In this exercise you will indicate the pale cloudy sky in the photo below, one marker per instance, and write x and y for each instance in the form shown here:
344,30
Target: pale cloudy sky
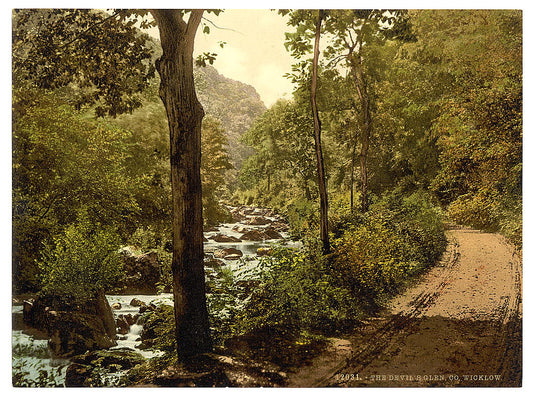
254,52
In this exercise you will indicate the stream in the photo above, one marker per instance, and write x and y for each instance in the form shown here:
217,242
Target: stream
32,361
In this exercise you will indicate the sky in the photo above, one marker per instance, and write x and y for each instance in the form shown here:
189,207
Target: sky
254,51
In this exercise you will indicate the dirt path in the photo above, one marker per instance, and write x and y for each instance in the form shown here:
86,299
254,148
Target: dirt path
460,326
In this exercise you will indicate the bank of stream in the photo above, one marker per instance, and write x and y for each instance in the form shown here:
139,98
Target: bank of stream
233,245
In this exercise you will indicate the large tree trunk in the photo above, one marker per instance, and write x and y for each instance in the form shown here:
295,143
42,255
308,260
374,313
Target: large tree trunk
360,84
324,230
185,114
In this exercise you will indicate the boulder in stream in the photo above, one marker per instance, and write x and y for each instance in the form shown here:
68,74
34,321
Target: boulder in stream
73,327
224,238
239,229
254,235
257,220
136,302
279,226
227,252
272,234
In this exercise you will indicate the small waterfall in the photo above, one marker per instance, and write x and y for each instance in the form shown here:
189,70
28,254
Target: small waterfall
32,362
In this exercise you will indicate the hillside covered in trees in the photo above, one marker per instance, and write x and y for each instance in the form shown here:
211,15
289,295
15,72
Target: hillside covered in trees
245,233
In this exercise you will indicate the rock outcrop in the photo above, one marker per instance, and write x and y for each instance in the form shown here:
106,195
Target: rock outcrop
142,273
86,369
73,327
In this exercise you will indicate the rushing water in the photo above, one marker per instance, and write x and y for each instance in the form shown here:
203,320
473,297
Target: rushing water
33,364
32,361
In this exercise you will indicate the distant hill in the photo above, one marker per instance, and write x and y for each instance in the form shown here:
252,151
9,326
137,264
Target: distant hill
234,103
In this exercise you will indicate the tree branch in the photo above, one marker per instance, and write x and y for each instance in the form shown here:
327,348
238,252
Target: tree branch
194,21
90,28
220,27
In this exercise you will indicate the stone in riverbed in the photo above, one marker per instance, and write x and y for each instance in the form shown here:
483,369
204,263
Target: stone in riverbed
214,263
73,327
225,252
146,308
280,226
272,234
136,302
254,235
123,327
261,235
224,238
239,229
257,220
131,319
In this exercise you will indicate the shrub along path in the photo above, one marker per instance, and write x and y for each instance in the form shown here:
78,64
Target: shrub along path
459,326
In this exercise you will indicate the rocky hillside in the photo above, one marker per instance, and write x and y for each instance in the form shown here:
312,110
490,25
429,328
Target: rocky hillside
234,103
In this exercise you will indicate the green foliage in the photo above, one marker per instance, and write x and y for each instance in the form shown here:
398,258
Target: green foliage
282,138
101,58
225,300
378,253
63,163
479,126
81,261
215,164
297,292
160,327
374,256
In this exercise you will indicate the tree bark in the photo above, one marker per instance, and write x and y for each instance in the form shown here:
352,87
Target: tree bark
185,114
324,230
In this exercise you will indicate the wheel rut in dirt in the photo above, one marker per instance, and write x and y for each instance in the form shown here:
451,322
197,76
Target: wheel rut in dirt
459,326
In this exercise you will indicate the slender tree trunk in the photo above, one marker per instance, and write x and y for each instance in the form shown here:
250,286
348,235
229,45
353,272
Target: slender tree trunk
360,84
185,114
352,180
307,192
324,230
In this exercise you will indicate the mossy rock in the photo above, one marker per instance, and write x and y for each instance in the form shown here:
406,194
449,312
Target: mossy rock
125,358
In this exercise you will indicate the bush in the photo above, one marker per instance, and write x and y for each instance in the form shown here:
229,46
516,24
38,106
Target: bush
160,328
81,261
371,260
298,292
490,211
374,256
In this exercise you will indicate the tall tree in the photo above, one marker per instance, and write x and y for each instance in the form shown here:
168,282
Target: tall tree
309,22
184,114
352,30
322,190
282,146
101,58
